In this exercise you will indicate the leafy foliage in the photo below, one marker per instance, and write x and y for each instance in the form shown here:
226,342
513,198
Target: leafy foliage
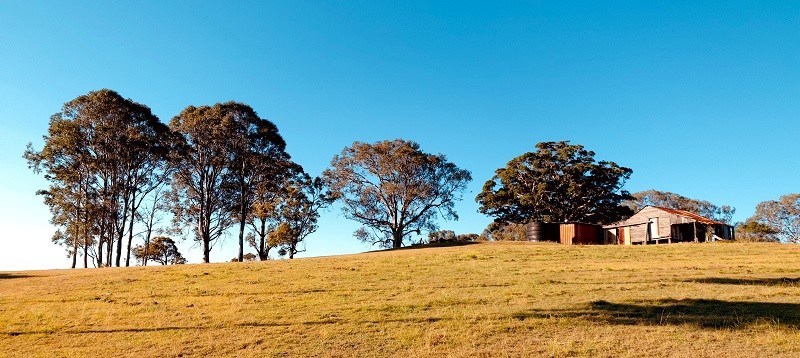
781,216
161,249
558,182
229,152
101,155
754,231
394,189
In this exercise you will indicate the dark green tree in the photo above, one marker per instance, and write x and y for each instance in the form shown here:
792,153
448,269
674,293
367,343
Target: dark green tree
558,182
394,189
161,249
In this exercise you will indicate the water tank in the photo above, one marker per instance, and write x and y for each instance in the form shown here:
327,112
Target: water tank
536,231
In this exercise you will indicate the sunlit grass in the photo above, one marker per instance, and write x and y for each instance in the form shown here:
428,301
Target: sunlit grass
495,299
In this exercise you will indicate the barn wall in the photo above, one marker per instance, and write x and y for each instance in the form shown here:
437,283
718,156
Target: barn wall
581,234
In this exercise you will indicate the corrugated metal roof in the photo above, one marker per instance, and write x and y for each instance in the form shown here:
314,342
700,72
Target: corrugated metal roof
689,215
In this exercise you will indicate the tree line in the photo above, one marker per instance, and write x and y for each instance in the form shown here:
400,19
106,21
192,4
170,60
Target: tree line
115,171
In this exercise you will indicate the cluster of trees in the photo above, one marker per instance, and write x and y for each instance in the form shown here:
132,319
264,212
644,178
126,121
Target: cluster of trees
114,169
774,220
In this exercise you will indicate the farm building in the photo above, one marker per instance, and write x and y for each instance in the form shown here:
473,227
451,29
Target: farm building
656,225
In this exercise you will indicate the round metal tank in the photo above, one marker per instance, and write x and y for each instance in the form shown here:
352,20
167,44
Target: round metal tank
535,231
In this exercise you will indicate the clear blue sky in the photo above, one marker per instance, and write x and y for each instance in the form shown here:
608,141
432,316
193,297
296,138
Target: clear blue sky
698,99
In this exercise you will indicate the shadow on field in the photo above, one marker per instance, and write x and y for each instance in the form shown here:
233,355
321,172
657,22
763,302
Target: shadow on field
701,313
5,276
780,281
437,244
330,321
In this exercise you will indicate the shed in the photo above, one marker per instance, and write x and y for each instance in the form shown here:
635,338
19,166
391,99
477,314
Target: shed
580,234
569,233
655,225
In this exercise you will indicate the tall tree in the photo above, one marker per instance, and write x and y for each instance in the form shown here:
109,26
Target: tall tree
99,147
228,151
558,182
258,160
200,197
394,189
666,199
782,216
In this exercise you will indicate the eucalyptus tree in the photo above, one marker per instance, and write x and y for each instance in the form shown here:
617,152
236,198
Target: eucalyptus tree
65,164
781,217
558,182
269,191
102,147
298,211
259,161
394,189
161,249
228,150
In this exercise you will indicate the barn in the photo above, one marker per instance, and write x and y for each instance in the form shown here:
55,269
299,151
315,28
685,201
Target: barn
657,225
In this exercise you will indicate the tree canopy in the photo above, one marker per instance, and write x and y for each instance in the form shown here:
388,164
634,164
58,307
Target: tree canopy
394,189
161,249
102,154
781,216
559,182
228,151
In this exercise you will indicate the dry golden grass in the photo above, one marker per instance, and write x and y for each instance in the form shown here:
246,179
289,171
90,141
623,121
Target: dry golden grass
493,299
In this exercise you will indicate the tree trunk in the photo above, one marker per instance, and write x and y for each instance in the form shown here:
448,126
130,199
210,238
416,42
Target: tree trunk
119,249
206,250
147,244
109,249
130,233
242,223
85,253
206,240
74,250
397,239
262,240
100,249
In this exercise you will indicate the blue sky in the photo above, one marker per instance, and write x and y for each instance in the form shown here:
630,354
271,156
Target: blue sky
697,98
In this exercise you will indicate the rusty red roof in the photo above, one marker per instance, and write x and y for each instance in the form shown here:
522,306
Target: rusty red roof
689,215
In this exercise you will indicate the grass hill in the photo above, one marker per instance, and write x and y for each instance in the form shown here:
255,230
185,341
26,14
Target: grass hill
491,299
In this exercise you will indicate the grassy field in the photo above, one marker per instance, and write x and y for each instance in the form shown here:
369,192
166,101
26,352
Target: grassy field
492,299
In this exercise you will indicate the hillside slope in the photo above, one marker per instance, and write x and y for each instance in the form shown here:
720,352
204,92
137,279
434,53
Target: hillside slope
493,299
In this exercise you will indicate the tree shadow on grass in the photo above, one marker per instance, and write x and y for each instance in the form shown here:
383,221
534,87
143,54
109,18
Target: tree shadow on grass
5,275
712,314
437,244
780,281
